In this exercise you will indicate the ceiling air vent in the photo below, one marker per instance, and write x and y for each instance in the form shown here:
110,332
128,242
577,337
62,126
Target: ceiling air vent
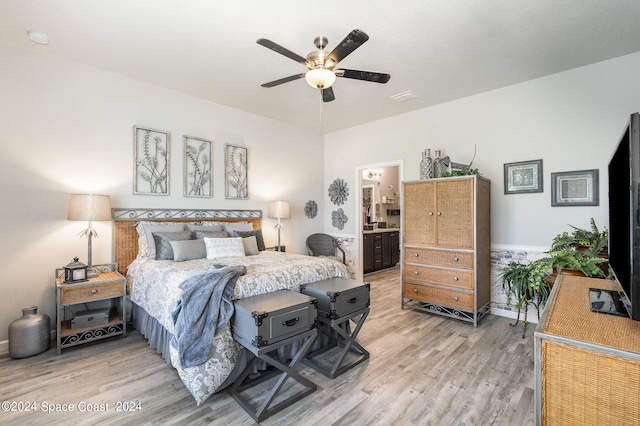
404,96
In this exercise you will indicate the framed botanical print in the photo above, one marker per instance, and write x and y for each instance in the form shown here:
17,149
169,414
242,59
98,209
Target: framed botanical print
235,172
150,161
578,188
198,167
523,177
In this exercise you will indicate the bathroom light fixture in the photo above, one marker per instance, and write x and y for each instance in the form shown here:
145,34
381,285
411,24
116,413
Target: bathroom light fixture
320,78
89,207
372,174
39,38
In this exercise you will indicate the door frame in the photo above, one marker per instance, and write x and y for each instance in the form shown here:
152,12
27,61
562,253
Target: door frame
358,206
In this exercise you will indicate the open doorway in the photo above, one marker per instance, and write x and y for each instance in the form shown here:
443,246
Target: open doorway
378,208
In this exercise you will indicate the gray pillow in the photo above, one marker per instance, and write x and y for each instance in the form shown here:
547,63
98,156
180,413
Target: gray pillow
211,234
257,233
250,246
236,226
162,240
188,250
213,227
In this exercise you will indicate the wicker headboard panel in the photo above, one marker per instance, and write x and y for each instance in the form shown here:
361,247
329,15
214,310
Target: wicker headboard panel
125,236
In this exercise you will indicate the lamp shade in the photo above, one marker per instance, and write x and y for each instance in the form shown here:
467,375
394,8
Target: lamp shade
279,210
88,207
320,78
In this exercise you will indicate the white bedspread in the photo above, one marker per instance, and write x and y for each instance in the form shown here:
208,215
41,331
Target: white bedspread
154,287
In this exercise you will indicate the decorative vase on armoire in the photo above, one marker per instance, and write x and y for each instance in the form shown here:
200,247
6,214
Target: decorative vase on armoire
426,165
29,334
438,167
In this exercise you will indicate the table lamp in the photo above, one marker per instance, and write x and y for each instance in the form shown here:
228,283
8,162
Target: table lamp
89,207
279,210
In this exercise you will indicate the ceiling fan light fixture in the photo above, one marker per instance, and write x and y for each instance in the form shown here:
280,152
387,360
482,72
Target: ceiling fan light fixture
320,78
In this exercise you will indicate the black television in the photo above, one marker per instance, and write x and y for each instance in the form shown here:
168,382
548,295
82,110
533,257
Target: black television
624,214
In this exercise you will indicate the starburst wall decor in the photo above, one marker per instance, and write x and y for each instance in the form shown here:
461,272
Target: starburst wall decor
338,192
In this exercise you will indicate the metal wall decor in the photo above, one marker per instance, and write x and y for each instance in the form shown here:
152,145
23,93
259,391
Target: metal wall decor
236,184
150,161
338,192
311,209
523,177
198,164
577,188
338,219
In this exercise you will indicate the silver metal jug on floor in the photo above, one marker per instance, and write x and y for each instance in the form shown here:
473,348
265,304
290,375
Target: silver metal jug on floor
30,334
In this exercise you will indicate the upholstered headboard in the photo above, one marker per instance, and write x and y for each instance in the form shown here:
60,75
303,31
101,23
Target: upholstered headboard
125,236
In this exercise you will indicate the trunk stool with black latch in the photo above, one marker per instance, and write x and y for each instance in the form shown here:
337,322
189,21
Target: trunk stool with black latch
339,300
262,324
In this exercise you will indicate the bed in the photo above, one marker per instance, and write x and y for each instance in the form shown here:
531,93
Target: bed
153,285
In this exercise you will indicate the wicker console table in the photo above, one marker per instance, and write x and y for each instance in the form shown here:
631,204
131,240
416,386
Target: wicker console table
587,365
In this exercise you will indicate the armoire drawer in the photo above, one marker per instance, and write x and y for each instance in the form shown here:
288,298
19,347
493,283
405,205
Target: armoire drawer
448,277
448,258
441,296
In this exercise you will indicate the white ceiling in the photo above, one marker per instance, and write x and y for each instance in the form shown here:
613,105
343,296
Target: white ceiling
440,49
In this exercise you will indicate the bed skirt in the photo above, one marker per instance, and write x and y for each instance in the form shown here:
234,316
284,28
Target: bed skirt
158,336
159,339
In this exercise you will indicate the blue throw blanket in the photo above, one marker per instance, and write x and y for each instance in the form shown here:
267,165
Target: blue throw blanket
204,307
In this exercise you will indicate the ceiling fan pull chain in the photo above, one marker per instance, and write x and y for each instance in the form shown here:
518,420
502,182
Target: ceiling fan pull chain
321,108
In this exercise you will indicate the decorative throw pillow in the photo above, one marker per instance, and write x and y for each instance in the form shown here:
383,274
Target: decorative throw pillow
237,226
257,233
162,240
145,229
188,250
218,248
250,246
210,234
206,226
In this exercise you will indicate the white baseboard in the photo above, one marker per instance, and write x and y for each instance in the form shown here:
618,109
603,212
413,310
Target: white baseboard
4,344
532,316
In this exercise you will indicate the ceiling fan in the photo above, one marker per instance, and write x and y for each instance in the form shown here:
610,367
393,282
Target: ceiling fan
321,65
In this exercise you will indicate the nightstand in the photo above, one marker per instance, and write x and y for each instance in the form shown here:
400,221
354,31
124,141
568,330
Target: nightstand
108,285
275,248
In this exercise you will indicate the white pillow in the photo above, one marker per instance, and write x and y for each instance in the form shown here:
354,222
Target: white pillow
250,246
237,226
218,248
146,243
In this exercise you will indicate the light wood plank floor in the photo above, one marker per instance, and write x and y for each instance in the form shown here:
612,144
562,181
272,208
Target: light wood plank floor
423,370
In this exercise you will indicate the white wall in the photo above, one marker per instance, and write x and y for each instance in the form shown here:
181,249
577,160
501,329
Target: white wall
571,120
67,128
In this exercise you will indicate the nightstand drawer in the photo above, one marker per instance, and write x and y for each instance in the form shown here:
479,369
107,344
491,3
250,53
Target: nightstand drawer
82,293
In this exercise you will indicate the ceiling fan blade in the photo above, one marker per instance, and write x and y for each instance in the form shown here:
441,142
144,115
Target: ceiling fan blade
281,50
376,77
283,80
351,42
327,95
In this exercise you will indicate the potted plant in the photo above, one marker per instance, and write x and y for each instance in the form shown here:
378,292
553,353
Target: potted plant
581,252
524,285
574,262
592,242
